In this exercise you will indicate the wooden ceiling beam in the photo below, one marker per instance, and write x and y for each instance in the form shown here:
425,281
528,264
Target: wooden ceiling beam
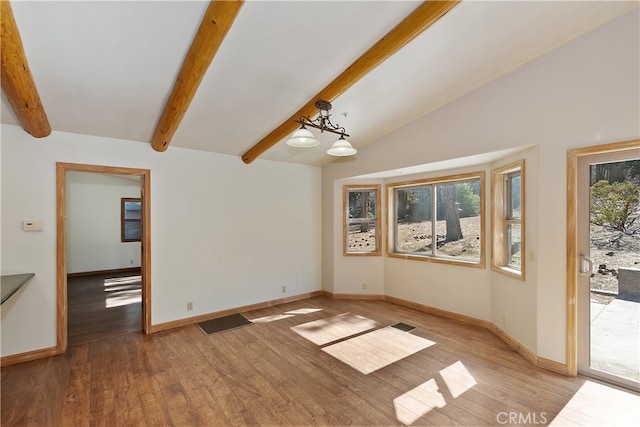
414,24
18,85
215,24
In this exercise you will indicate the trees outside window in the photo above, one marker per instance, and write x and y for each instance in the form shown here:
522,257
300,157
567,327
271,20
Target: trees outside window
615,194
361,205
438,219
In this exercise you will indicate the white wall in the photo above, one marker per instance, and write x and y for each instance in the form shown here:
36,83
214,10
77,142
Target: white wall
583,93
93,222
223,234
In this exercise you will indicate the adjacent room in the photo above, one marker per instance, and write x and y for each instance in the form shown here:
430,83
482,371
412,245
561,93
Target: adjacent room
320,213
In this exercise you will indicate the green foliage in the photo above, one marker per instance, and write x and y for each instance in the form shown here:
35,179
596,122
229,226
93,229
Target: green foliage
628,170
414,204
469,202
359,200
515,190
615,205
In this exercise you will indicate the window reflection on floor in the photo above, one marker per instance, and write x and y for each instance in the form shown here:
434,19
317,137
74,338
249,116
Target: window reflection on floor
286,315
457,378
418,402
272,318
334,328
364,345
599,404
120,291
374,350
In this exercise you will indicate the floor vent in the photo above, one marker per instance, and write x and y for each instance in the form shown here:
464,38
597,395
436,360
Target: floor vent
222,324
404,327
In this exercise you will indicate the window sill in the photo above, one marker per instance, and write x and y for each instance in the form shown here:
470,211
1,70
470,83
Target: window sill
441,260
378,253
507,271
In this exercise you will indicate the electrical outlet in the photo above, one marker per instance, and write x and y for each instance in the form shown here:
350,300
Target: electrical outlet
284,288
189,306
364,285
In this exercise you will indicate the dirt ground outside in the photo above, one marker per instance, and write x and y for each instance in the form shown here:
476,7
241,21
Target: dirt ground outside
416,237
610,250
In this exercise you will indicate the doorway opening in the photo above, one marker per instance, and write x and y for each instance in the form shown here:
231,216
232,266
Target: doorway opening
603,268
114,290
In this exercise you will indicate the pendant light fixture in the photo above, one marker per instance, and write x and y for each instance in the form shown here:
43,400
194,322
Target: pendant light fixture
304,138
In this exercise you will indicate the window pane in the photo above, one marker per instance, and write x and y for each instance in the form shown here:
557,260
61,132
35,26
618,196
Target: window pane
362,204
132,210
413,220
132,230
514,196
508,214
458,224
513,251
362,221
130,219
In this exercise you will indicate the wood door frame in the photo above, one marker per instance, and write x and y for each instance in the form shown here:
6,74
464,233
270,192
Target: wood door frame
61,241
573,255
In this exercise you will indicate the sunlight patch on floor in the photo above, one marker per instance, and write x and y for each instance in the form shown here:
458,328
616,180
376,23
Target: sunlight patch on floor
122,280
599,404
272,318
123,298
286,315
369,352
457,378
121,291
334,328
304,311
418,402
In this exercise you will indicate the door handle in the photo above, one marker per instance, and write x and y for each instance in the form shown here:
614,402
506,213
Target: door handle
586,265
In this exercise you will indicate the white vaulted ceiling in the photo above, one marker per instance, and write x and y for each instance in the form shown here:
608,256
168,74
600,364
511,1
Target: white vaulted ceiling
107,68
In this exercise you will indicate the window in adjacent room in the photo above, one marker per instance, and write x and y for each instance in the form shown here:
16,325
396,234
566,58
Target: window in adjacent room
438,219
361,229
130,220
508,247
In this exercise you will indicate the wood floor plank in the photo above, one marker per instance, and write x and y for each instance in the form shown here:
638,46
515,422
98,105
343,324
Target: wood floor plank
256,394
102,407
267,374
265,379
319,399
103,305
308,358
78,396
126,395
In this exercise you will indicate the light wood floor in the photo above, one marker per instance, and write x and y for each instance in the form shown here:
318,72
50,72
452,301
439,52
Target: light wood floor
269,374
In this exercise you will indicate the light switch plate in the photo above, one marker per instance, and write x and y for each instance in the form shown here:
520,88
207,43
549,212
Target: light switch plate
32,225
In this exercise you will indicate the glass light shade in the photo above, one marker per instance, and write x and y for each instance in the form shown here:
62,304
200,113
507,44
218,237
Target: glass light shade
342,147
302,138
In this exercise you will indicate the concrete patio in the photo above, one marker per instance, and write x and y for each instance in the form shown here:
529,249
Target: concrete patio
615,338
